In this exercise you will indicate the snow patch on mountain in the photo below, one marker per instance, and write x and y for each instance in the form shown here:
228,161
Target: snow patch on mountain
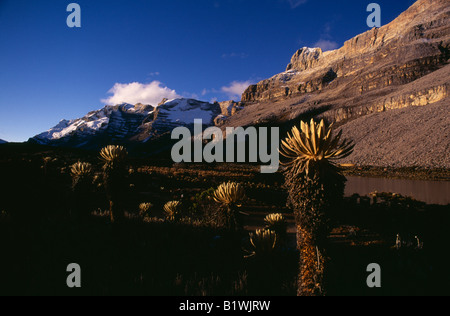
92,123
185,111
89,124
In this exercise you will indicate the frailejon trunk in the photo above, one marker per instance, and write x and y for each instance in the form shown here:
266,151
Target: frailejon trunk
115,212
310,277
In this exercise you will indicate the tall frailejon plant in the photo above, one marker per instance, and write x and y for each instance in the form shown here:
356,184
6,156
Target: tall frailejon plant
230,195
82,178
316,186
114,179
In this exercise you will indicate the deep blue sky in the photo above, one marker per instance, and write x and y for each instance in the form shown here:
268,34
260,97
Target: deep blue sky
197,48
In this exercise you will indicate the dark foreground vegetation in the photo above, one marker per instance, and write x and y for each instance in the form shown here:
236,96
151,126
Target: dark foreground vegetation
197,252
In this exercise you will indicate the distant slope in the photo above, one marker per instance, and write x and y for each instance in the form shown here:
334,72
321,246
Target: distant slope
3,141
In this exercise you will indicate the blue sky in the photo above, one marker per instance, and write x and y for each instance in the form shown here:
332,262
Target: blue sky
142,49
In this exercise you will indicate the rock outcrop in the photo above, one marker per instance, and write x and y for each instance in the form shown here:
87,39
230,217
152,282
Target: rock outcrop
228,109
305,59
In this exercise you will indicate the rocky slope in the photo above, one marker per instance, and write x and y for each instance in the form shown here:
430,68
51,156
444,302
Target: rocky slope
401,65
412,136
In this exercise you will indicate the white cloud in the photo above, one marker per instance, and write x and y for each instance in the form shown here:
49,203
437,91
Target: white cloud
135,92
326,40
236,88
326,45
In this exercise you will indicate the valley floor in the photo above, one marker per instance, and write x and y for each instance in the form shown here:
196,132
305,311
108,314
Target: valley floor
40,234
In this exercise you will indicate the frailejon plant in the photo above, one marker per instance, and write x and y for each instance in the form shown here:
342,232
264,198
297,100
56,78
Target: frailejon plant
80,170
114,179
277,223
263,243
114,156
144,209
82,178
274,221
173,210
230,195
46,162
316,186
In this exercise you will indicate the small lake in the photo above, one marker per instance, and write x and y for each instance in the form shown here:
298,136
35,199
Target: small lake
431,192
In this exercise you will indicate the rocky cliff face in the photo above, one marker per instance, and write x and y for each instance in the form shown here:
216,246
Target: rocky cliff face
382,74
304,59
412,46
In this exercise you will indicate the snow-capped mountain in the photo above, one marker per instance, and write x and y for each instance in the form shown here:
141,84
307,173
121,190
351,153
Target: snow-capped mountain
128,124
183,112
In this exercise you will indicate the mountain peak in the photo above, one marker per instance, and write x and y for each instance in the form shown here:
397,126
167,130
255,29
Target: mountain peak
305,58
187,110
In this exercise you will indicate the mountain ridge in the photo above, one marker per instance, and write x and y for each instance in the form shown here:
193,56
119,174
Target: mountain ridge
127,124
374,76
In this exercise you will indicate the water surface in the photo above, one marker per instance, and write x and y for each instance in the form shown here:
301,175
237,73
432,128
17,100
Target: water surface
431,192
